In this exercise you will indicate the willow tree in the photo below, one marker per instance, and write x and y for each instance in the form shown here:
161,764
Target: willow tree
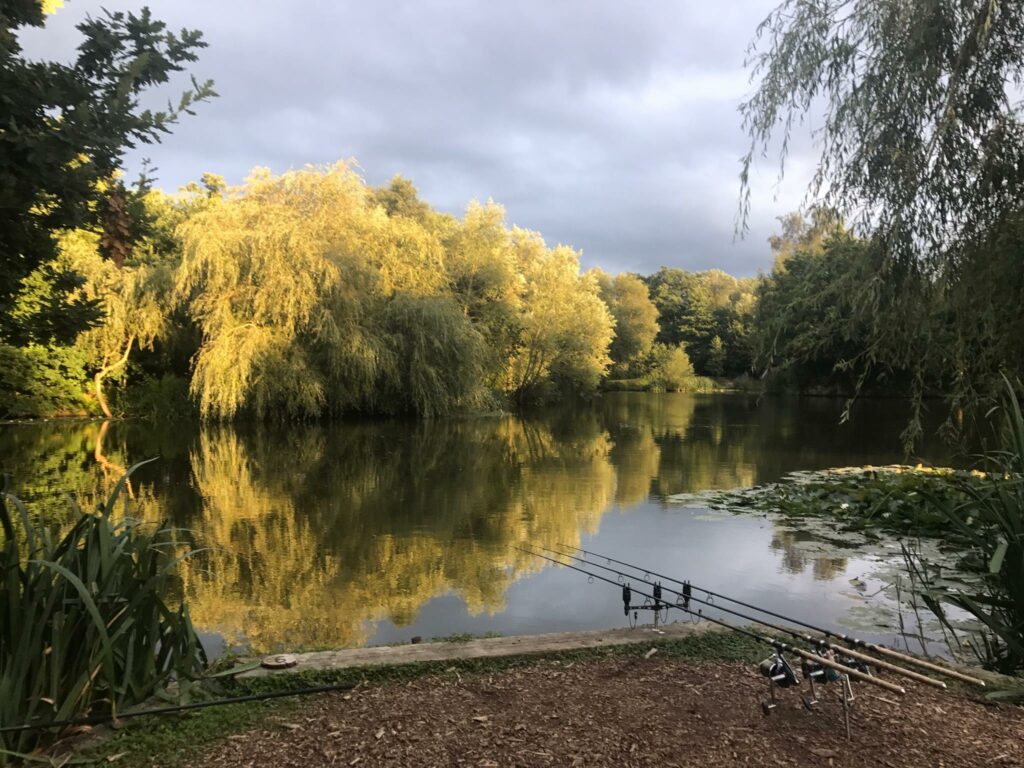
312,299
921,146
262,275
486,280
134,300
566,328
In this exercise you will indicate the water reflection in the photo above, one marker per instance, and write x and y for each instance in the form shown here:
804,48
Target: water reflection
334,535
795,559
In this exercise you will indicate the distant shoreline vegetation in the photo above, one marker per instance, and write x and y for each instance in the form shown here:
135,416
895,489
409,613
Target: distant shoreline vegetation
311,295
314,295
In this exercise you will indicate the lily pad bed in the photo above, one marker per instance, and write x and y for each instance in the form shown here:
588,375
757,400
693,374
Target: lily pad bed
869,501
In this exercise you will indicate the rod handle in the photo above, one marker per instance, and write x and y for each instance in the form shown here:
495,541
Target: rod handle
883,651
853,673
910,674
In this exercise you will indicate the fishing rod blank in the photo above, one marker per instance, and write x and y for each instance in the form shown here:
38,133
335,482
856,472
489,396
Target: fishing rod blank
776,644
879,649
819,642
110,718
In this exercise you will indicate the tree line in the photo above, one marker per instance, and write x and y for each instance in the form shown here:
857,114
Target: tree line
313,294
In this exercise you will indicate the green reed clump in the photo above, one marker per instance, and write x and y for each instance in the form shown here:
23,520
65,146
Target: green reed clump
990,516
85,626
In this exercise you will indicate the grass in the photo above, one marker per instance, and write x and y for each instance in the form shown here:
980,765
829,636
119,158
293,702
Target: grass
174,741
463,637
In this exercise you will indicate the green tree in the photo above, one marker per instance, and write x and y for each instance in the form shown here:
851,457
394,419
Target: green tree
670,368
64,129
807,331
716,357
685,312
400,198
135,299
636,319
486,280
805,234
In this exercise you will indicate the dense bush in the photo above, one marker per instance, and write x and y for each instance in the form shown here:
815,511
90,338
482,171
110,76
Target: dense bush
38,380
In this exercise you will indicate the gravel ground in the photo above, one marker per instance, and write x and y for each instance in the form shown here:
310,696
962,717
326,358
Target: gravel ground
625,712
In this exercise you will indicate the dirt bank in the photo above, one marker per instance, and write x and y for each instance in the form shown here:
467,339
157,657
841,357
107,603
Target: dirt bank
623,712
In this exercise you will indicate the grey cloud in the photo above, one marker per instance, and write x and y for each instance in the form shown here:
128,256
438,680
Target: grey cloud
608,126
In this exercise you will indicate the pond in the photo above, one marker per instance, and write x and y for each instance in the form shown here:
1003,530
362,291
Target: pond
372,532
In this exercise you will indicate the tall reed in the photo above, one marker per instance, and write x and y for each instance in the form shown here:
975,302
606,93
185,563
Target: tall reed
990,517
85,622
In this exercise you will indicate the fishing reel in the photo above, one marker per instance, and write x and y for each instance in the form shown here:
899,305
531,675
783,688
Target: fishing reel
858,664
780,674
817,673
821,674
779,671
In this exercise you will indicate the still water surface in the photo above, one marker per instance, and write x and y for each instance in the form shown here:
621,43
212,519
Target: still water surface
373,532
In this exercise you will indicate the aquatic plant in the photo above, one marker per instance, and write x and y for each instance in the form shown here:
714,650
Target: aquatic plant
990,516
85,623
868,500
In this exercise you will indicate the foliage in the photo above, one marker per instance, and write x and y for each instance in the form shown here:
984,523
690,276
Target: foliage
716,357
695,308
162,397
670,368
636,319
685,312
893,499
804,234
437,354
807,327
990,517
921,148
565,327
86,627
484,277
400,198
66,127
314,296
919,135
37,380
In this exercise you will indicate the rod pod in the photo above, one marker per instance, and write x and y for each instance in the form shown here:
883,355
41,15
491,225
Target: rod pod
851,658
879,649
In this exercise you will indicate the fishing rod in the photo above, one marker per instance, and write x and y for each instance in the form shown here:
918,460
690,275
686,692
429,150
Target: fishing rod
110,718
687,596
881,650
778,645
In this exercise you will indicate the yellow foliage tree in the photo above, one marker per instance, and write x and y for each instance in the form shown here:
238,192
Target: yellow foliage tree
566,328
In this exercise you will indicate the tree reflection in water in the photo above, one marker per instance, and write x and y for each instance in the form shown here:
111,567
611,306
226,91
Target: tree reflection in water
308,535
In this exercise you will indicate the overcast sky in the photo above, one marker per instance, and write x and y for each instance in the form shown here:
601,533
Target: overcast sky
608,126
